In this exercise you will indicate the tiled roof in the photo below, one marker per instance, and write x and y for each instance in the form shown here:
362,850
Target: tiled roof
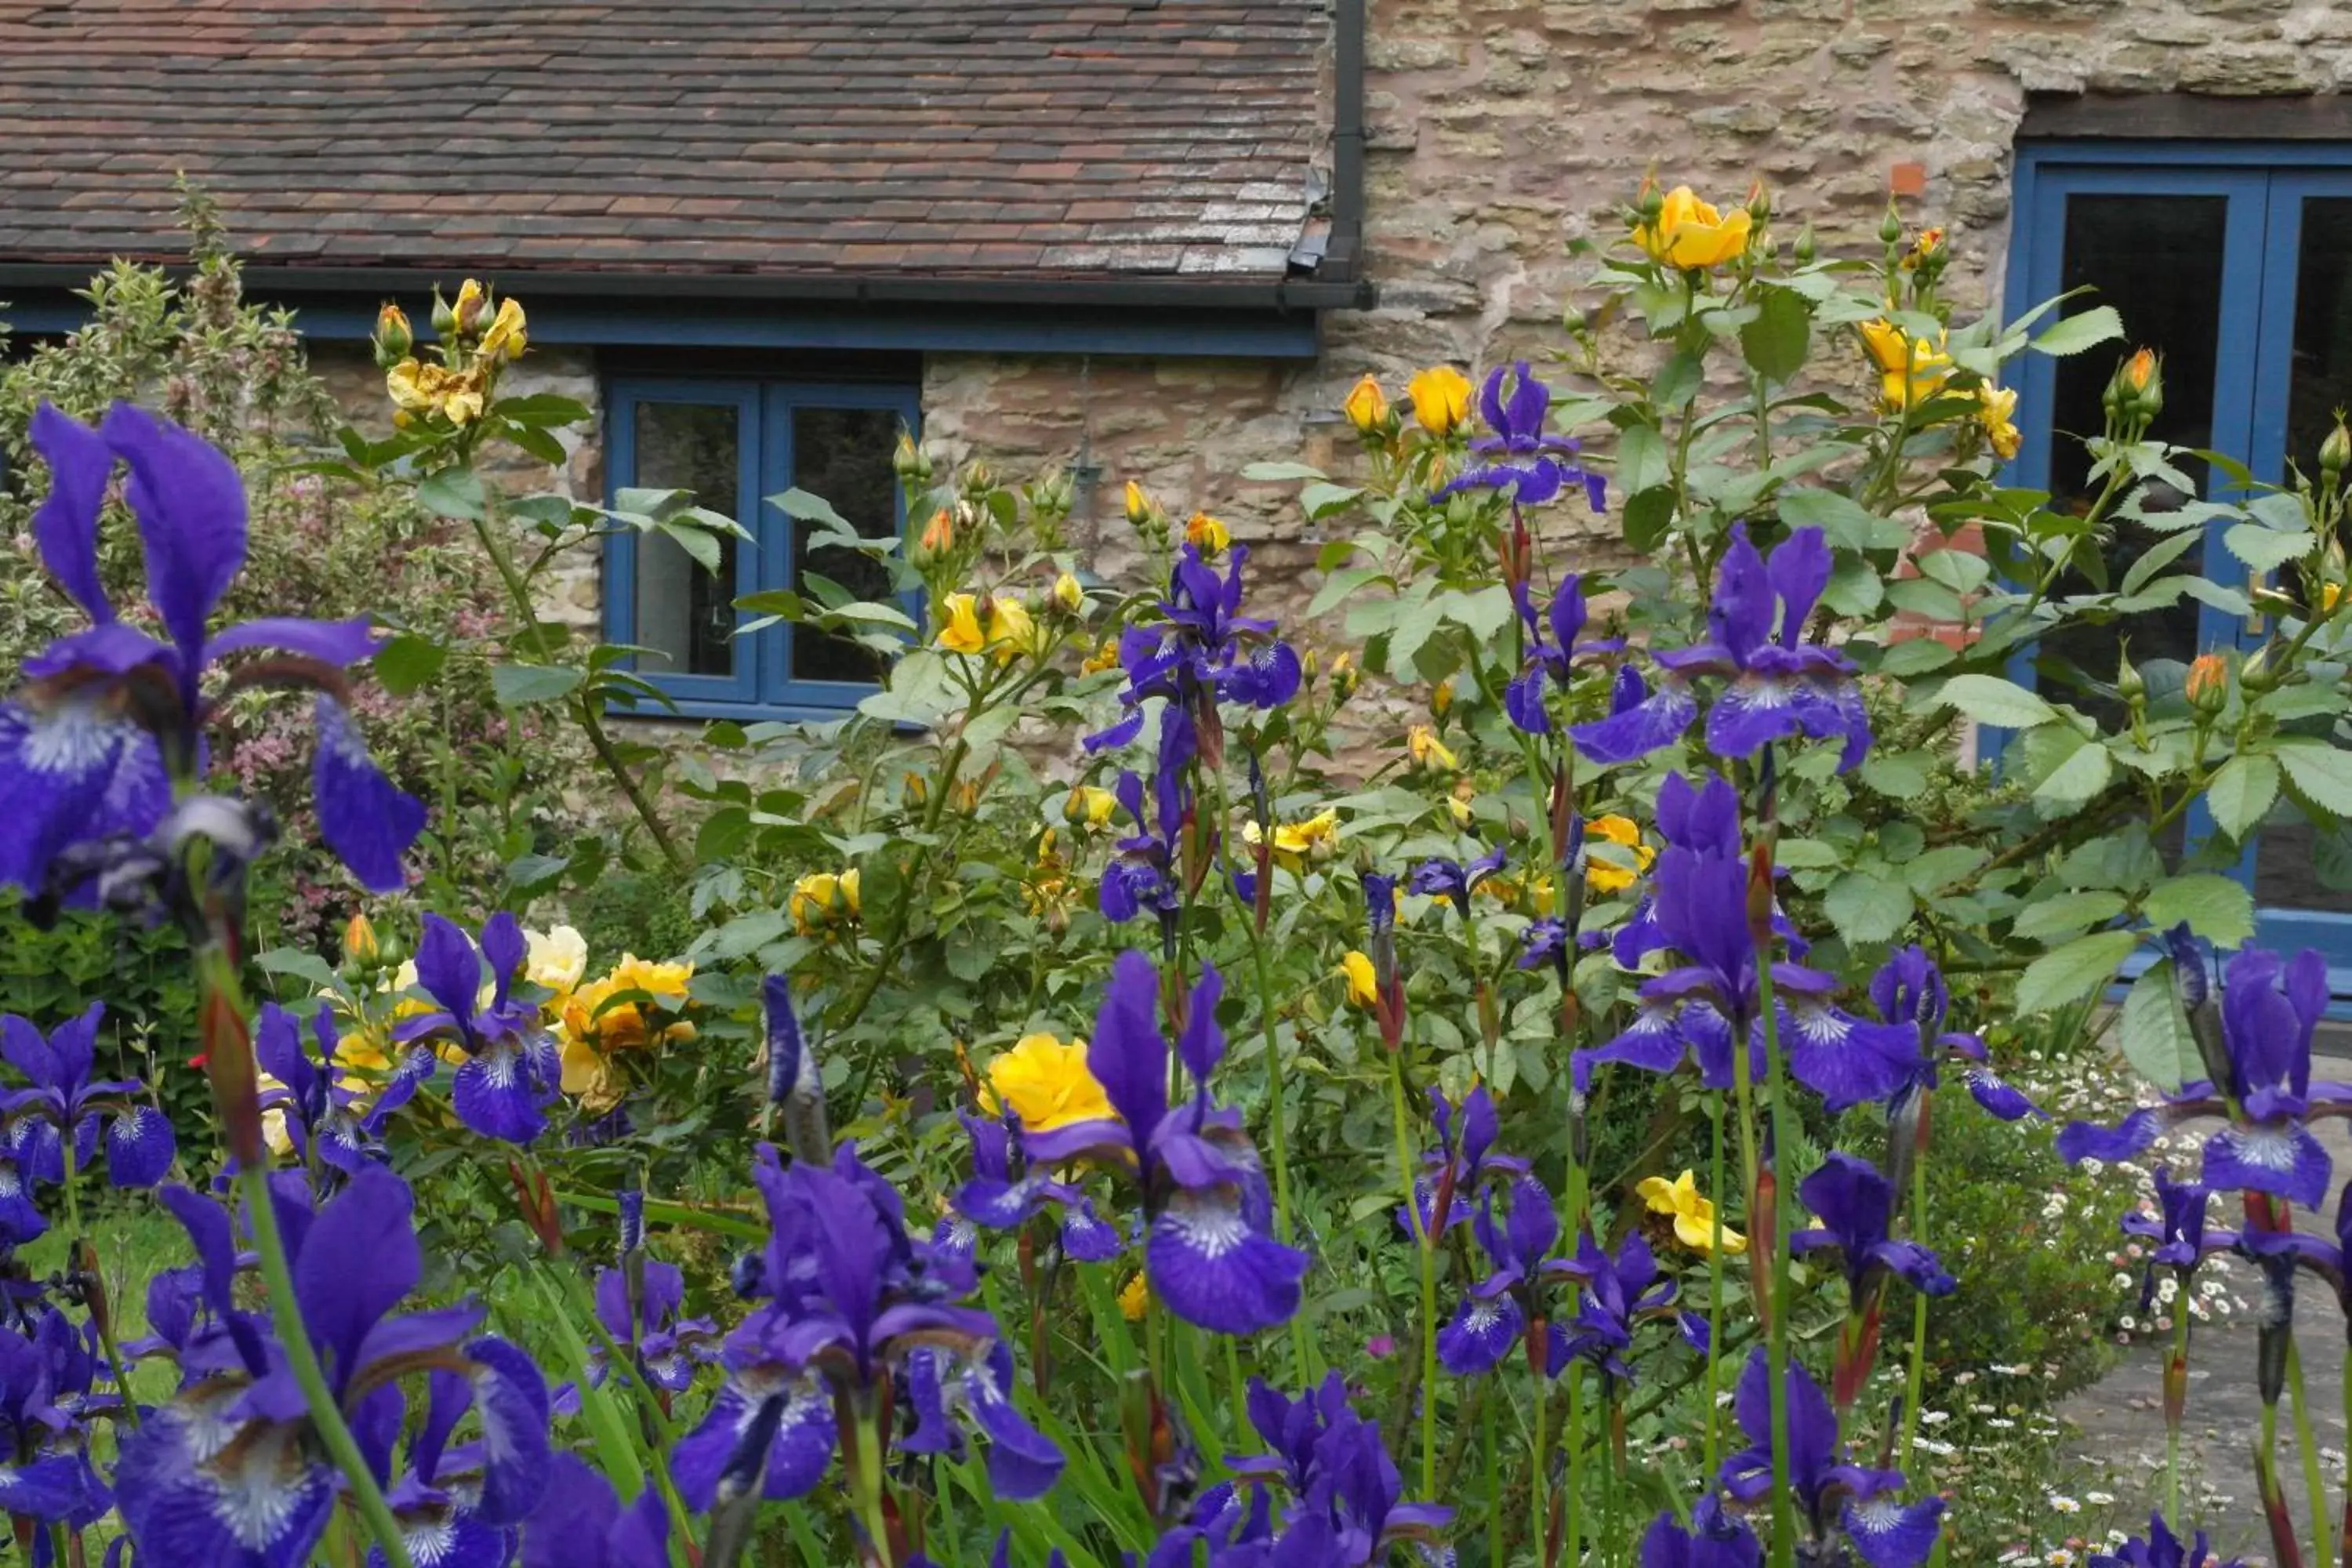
1021,139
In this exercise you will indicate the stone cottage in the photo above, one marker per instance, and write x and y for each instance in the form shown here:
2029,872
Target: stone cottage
1154,238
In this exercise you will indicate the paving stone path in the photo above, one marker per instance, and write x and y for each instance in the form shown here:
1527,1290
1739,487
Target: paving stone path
2120,1419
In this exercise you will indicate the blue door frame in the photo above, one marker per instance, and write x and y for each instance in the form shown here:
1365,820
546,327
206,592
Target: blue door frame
2265,184
762,685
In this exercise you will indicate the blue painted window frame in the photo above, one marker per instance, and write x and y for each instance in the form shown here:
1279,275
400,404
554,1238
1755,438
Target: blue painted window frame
2265,184
762,685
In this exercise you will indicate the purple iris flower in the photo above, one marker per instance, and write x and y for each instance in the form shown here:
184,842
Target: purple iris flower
1699,910
579,1523
1003,1195
1856,1207
847,1297
1143,873
466,1498
1886,1532
2183,1239
1022,1462
1206,1249
1618,1293
666,1348
313,1096
511,1070
1438,878
1204,651
1550,663
2161,1549
2269,1010
1715,1539
1520,459
1496,1312
228,1471
62,1099
1332,1463
45,1379
1909,989
1454,1173
110,716
1780,685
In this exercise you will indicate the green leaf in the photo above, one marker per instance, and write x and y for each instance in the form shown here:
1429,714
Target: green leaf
2240,793
2321,772
1940,868
409,661
1282,471
521,685
1647,516
2218,909
1342,584
1867,909
2157,1039
2156,559
2265,549
1845,521
2072,335
1321,499
1990,699
2068,914
302,966
1641,459
703,547
1919,656
544,408
2078,779
2069,973
798,503
1897,775
453,493
537,442
1776,341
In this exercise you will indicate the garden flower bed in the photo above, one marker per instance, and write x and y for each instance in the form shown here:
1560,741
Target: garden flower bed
1088,1108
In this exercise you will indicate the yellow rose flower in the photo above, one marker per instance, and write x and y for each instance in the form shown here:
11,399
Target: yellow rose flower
1087,804
1607,877
471,299
1441,399
1996,417
419,388
1694,1214
1928,248
821,898
1910,370
1206,534
1105,656
556,958
1363,981
959,625
1135,1299
506,338
1297,841
1046,1083
1693,235
1069,593
1011,630
1367,407
1422,744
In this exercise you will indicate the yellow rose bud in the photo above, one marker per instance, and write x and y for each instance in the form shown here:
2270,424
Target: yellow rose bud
1927,249
936,540
1206,534
2335,452
1089,805
393,339
1441,699
1457,805
465,315
1139,506
1422,744
908,461
1363,981
506,338
1069,593
2209,684
959,625
1441,399
813,901
1690,234
2330,596
360,945
1366,408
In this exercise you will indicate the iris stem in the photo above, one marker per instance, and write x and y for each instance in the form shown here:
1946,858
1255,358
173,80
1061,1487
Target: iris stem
1495,1474
1714,1281
1784,1518
1916,1388
869,1488
1426,1246
1302,1348
1540,1466
2172,1426
2312,1484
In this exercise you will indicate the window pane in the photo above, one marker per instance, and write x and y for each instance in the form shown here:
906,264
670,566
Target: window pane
843,456
685,612
2158,261
2319,382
